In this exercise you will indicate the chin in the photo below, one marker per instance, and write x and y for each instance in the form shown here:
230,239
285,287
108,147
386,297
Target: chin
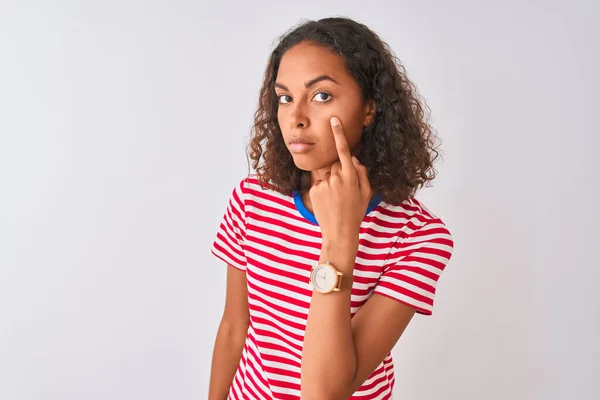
307,163
304,165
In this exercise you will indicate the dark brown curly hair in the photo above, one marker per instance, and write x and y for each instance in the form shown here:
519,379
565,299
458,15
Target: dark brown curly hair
398,148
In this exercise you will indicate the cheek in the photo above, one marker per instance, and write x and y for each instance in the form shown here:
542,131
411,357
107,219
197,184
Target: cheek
353,133
328,151
283,124
352,129
351,116
354,124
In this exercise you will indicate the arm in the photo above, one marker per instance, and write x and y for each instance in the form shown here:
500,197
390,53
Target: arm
230,336
339,355
339,352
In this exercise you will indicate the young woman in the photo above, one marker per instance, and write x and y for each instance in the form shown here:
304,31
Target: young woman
329,254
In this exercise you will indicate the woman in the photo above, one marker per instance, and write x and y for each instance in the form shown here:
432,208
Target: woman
328,257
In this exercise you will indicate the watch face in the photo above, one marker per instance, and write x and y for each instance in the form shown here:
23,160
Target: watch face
324,278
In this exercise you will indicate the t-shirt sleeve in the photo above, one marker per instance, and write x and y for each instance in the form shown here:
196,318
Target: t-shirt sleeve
416,263
229,244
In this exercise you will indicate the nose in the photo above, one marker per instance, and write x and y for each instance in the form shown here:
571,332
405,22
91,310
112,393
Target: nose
298,117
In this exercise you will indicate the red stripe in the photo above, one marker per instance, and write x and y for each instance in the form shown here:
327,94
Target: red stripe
230,229
264,299
227,253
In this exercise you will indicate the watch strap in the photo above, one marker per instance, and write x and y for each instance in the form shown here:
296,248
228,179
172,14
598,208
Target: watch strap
345,281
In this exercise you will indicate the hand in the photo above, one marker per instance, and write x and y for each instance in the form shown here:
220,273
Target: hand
341,199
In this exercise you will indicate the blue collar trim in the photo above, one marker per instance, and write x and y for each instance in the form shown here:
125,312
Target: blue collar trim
375,200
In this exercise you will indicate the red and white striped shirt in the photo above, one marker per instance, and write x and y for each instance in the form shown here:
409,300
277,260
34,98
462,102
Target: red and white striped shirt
402,251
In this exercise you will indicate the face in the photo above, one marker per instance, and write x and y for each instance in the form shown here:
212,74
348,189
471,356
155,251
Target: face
313,85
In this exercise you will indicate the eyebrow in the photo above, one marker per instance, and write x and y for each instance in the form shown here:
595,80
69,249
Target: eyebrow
309,83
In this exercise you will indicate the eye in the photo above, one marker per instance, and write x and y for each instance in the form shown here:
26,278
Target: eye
284,96
320,97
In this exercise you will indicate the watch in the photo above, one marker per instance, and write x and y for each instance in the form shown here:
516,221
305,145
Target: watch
325,278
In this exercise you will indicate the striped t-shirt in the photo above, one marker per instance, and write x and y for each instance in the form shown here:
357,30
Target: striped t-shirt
402,251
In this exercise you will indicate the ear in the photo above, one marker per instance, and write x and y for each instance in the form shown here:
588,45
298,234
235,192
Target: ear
369,112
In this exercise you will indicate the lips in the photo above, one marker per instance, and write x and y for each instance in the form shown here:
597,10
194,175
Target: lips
301,145
301,141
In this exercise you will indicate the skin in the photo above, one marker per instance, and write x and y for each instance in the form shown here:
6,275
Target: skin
231,335
338,355
305,112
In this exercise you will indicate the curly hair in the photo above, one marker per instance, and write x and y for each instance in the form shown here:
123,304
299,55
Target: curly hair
398,148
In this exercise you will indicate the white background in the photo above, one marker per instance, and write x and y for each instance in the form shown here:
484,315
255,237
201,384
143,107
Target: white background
122,133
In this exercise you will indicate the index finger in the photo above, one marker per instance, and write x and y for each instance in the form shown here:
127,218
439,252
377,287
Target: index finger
341,144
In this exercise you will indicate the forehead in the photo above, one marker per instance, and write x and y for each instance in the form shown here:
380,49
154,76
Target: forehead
306,61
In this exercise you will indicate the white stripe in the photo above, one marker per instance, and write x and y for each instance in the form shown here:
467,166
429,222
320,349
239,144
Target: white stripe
272,340
274,300
275,340
402,297
308,263
225,256
282,315
403,284
254,382
418,264
279,326
275,289
419,277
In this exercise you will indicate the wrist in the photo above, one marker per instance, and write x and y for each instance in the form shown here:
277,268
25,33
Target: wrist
340,253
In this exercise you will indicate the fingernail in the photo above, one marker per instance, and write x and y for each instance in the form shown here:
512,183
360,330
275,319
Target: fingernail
334,121
355,160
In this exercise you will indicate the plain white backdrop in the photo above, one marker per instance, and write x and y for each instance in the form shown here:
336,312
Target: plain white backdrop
123,126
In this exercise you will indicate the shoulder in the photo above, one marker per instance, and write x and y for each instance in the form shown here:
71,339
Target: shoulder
252,188
413,218
243,186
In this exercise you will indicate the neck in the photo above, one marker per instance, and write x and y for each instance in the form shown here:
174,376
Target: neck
320,173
